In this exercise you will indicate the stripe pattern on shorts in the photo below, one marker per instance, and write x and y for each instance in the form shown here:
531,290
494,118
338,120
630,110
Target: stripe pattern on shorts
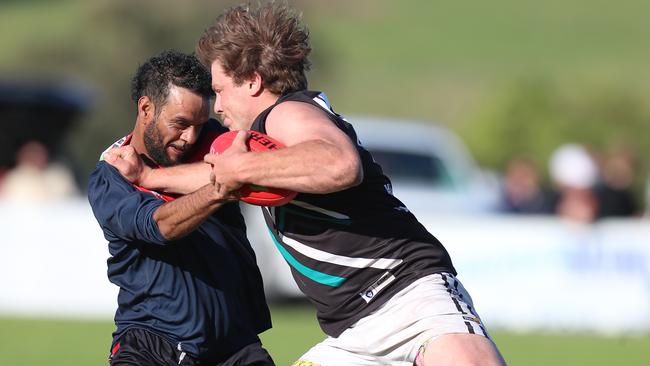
463,307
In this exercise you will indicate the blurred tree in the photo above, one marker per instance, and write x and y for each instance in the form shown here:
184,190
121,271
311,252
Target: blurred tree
534,116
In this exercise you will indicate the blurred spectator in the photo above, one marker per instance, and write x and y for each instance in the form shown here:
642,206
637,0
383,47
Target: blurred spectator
574,173
614,191
522,191
35,179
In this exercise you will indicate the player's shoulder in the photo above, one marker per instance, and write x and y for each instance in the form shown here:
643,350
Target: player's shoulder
119,143
309,102
106,177
102,169
102,183
292,110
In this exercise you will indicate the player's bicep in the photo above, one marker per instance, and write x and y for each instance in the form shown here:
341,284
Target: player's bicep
293,123
317,139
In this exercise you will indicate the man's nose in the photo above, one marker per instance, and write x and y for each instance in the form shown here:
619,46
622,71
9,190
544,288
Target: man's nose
217,104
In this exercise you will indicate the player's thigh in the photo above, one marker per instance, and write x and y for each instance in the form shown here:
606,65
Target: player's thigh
461,349
329,353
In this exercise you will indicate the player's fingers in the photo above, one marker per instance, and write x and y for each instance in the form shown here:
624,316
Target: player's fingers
210,158
119,153
127,152
118,164
240,140
118,150
109,156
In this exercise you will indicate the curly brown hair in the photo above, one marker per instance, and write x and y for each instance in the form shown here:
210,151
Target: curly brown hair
268,39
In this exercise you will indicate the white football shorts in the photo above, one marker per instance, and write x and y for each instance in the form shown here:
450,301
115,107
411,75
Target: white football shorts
432,306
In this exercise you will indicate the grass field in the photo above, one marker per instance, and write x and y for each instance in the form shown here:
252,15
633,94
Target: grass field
28,342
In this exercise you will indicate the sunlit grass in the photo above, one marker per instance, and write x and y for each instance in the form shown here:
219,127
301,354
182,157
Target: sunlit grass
31,342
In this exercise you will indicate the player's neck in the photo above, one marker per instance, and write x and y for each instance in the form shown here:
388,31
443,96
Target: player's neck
263,102
137,142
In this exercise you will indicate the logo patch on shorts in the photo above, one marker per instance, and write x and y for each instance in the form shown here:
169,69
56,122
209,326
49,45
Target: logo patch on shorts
372,291
472,319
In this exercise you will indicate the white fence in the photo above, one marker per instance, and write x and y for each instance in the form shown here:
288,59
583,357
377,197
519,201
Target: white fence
543,273
524,273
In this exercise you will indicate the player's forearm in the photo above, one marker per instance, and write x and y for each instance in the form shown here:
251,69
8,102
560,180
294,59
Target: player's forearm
183,215
311,167
180,179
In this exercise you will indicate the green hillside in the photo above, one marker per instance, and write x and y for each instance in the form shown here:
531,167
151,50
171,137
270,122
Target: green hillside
463,64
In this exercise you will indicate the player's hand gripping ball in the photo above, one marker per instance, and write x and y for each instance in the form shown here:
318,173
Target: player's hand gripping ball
250,193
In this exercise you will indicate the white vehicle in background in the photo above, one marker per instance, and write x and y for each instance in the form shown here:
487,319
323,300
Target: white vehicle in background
430,167
431,171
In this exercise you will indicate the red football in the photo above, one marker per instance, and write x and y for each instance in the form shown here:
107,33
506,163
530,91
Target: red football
254,194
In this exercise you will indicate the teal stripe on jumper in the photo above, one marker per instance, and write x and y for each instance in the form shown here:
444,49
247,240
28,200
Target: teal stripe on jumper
320,277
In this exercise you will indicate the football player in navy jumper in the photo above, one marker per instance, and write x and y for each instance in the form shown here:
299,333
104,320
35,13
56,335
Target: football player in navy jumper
190,292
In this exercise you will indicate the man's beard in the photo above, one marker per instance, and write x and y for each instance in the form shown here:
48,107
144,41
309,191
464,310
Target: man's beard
153,142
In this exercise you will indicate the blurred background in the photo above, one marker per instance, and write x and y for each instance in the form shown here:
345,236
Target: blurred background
517,131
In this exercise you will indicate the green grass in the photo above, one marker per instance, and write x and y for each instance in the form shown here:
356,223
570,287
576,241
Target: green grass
27,342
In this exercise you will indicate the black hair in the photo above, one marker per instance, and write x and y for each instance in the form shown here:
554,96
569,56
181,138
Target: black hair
154,77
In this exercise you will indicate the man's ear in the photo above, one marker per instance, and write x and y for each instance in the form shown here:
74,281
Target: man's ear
254,84
146,109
